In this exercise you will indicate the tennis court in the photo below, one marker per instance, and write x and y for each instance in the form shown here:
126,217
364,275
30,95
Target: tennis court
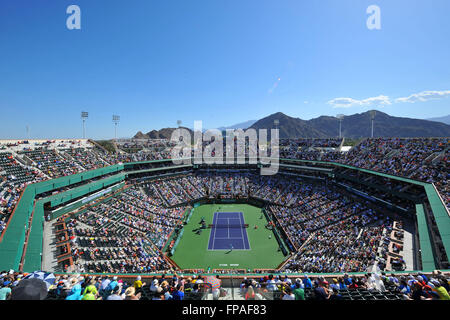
192,251
228,231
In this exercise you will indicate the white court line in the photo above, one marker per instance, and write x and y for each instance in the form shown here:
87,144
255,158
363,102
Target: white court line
214,236
242,230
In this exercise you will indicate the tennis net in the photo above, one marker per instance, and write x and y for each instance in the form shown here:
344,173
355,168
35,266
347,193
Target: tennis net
229,226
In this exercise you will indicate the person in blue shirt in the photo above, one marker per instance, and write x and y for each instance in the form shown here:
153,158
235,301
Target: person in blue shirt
404,288
112,284
75,293
347,280
5,291
109,288
335,284
424,277
307,282
271,283
178,294
342,285
336,295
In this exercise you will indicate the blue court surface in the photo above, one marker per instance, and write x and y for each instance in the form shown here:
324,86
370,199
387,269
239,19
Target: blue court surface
228,231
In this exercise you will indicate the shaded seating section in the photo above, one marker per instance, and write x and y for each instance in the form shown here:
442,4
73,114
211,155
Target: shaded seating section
348,246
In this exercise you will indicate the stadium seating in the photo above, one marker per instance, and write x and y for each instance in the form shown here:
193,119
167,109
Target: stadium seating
329,232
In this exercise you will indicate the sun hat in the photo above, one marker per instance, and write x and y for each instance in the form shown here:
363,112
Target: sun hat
130,291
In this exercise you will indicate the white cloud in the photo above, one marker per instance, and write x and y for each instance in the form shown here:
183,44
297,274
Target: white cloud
424,96
350,102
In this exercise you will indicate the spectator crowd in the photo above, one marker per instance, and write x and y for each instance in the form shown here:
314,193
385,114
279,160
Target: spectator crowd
370,286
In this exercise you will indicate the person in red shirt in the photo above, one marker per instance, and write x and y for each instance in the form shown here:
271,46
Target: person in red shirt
250,294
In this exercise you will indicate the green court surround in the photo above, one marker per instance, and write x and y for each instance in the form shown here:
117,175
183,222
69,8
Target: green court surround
192,251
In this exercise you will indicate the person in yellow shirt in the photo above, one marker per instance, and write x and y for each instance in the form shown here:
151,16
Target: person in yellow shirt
90,292
138,283
441,291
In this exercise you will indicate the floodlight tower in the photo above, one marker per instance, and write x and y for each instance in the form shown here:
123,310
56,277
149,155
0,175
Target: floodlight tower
372,118
340,118
115,119
276,122
84,116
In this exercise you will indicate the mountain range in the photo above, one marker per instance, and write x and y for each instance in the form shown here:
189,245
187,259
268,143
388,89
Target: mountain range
445,119
164,133
242,125
353,126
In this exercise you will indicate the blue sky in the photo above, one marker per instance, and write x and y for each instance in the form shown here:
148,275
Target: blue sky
222,62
